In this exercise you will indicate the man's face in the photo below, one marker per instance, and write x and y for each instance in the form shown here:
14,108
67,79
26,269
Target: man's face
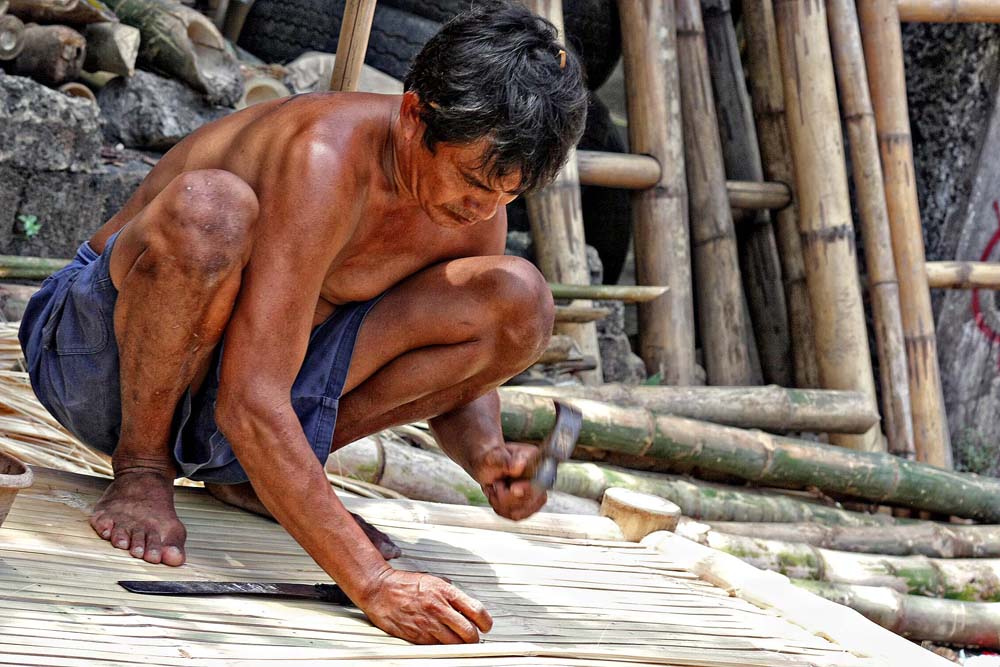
454,190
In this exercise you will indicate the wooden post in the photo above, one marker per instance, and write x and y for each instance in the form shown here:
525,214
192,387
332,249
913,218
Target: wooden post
768,97
659,214
11,37
758,251
352,44
855,100
950,11
824,207
556,218
884,56
723,322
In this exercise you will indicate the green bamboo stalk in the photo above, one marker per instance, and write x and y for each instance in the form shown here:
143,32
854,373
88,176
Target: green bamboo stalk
29,268
761,457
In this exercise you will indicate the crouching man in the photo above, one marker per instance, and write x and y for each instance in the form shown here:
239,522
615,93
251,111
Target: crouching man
305,272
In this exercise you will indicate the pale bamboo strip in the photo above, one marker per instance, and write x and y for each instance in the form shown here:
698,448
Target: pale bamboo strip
824,206
767,91
721,310
883,47
659,214
352,44
859,117
950,11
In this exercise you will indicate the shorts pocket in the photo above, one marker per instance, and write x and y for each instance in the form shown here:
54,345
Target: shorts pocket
79,324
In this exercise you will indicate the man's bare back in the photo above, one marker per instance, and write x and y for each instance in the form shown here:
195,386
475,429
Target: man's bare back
261,230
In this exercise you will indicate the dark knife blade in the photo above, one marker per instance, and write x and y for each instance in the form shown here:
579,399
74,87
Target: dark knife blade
324,592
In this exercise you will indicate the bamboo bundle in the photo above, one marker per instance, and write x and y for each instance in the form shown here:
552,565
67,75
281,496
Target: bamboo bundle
963,275
824,206
758,252
767,90
352,44
704,500
918,618
385,460
855,101
949,11
761,457
768,408
112,47
659,214
179,41
925,538
52,54
71,12
971,579
723,322
884,56
556,217
11,37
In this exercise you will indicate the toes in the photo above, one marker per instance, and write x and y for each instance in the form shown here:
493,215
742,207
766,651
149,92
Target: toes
173,545
119,537
137,542
173,556
153,552
102,524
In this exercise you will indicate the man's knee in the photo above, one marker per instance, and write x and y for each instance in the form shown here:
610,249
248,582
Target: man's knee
208,221
521,305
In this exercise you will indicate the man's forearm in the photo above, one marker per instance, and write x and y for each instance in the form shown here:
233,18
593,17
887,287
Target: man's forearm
467,432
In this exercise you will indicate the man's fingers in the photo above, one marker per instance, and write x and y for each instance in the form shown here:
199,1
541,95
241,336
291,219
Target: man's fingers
461,626
446,635
521,457
471,608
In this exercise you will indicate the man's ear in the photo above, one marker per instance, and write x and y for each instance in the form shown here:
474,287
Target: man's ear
409,115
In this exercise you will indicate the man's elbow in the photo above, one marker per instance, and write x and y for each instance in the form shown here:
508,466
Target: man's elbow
246,416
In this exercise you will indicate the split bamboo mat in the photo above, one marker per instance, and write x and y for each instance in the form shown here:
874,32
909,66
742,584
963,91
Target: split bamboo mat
555,601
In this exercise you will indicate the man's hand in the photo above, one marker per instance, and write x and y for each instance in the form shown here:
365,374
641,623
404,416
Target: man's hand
501,471
424,609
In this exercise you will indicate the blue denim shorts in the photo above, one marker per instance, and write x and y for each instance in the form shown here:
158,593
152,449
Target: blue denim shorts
68,338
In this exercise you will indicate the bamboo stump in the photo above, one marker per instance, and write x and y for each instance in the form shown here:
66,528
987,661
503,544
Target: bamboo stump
556,217
353,43
824,206
723,321
112,47
845,37
639,514
758,251
884,56
52,54
11,37
767,91
659,214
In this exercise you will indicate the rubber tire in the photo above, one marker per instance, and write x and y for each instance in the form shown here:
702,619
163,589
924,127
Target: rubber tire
607,212
592,26
281,30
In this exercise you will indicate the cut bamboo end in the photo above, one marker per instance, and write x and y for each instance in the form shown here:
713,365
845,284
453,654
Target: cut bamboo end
11,37
76,89
112,47
639,514
949,11
261,89
963,275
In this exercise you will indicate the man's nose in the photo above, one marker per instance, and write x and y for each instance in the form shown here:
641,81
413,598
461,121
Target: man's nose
485,205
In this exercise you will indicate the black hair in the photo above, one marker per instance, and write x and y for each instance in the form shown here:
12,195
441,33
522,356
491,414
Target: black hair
498,71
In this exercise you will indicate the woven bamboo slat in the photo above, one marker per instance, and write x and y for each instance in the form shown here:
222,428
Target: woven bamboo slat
659,214
721,309
824,206
883,48
767,91
855,100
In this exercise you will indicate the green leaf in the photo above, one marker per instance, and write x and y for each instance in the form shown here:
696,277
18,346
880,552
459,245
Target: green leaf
655,379
30,226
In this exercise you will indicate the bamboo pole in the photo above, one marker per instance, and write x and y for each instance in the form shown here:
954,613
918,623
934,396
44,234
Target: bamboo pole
758,251
845,37
824,206
659,214
580,314
970,579
352,44
915,617
949,11
556,217
627,293
29,268
756,196
925,538
767,408
884,56
963,275
111,47
722,315
11,37
767,92
52,54
761,457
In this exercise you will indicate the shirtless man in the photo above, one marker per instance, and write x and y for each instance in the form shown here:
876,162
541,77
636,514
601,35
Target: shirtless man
207,329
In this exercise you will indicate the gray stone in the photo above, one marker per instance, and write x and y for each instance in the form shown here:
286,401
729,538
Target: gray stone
67,206
43,129
151,112
620,364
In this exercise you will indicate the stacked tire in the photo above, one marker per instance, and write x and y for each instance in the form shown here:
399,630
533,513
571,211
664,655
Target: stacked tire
281,30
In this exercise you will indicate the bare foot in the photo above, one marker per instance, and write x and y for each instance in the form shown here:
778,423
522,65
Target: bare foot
136,513
244,497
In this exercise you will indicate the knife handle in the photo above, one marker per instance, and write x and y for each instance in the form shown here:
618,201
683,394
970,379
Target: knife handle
334,594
